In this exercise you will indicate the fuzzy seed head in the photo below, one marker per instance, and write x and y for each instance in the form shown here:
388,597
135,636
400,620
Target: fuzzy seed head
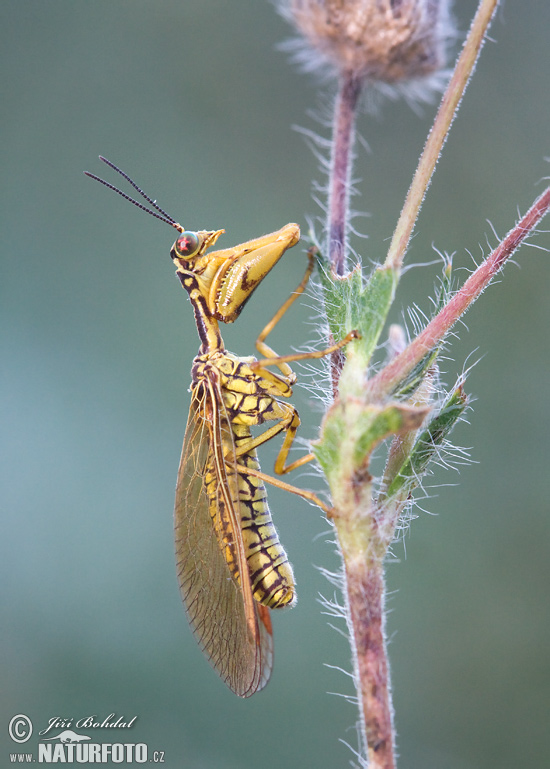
387,41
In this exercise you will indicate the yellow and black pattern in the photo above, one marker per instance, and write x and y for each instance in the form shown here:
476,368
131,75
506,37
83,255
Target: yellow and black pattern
270,572
232,629
231,566
232,569
248,401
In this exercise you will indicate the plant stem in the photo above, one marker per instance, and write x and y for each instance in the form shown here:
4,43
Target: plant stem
362,540
366,591
340,168
438,134
396,371
364,577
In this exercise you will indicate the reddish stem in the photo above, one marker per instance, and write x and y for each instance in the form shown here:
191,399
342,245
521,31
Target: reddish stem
365,593
342,136
390,376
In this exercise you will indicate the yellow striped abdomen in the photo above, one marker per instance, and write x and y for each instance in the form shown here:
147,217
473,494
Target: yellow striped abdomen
270,573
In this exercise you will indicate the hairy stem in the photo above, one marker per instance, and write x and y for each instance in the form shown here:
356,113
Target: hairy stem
438,134
364,577
396,371
363,546
366,591
339,184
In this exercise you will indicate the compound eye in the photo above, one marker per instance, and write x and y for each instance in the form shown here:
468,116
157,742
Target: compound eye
187,244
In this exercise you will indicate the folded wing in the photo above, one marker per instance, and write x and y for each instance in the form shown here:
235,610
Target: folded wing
233,630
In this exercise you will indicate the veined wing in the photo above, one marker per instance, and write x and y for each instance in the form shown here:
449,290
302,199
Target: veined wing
233,630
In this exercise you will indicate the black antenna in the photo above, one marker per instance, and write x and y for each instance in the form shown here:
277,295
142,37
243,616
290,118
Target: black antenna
164,218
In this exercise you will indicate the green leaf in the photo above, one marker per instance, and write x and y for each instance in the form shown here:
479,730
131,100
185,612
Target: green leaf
341,294
352,429
428,443
351,305
376,300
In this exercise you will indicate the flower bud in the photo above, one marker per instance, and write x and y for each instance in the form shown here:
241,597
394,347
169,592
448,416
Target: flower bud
387,41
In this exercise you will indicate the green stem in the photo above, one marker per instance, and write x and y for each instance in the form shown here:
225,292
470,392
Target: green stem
440,129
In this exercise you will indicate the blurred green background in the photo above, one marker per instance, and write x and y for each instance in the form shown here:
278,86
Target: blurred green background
194,100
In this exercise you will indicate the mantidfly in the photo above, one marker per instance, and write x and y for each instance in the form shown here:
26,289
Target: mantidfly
231,566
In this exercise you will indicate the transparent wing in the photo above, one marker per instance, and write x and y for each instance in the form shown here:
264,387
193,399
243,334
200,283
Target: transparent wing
233,630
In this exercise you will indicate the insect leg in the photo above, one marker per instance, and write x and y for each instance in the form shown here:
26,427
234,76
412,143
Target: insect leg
309,495
283,360
261,346
288,422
